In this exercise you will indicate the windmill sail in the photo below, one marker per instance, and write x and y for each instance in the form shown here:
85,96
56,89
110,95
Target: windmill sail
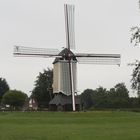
69,25
104,59
36,52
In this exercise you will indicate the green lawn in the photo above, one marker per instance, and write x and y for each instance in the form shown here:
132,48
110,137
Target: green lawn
96,125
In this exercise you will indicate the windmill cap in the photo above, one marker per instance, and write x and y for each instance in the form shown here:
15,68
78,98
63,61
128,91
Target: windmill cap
65,53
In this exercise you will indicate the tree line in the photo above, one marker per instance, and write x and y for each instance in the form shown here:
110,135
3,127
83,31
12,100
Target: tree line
114,98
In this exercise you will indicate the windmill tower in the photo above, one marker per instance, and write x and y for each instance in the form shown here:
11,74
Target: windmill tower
65,63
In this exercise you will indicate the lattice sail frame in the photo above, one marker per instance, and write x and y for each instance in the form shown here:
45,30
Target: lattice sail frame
102,59
69,25
30,51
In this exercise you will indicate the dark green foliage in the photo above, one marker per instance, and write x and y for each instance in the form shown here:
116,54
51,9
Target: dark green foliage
14,98
116,97
4,87
136,77
134,102
43,88
135,36
87,98
121,90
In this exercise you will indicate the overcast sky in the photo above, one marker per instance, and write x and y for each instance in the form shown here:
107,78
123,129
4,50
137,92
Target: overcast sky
101,26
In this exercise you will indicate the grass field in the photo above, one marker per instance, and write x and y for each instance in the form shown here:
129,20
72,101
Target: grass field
98,125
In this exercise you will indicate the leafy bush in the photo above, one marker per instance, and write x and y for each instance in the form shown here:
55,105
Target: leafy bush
14,98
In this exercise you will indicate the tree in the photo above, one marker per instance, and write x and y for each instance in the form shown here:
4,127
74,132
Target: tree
135,36
112,92
87,98
4,87
118,96
121,90
42,91
14,98
102,92
136,78
100,97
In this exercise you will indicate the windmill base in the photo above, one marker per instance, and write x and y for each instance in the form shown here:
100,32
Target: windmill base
61,102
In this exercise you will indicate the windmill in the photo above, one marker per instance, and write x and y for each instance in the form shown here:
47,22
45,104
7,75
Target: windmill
65,63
